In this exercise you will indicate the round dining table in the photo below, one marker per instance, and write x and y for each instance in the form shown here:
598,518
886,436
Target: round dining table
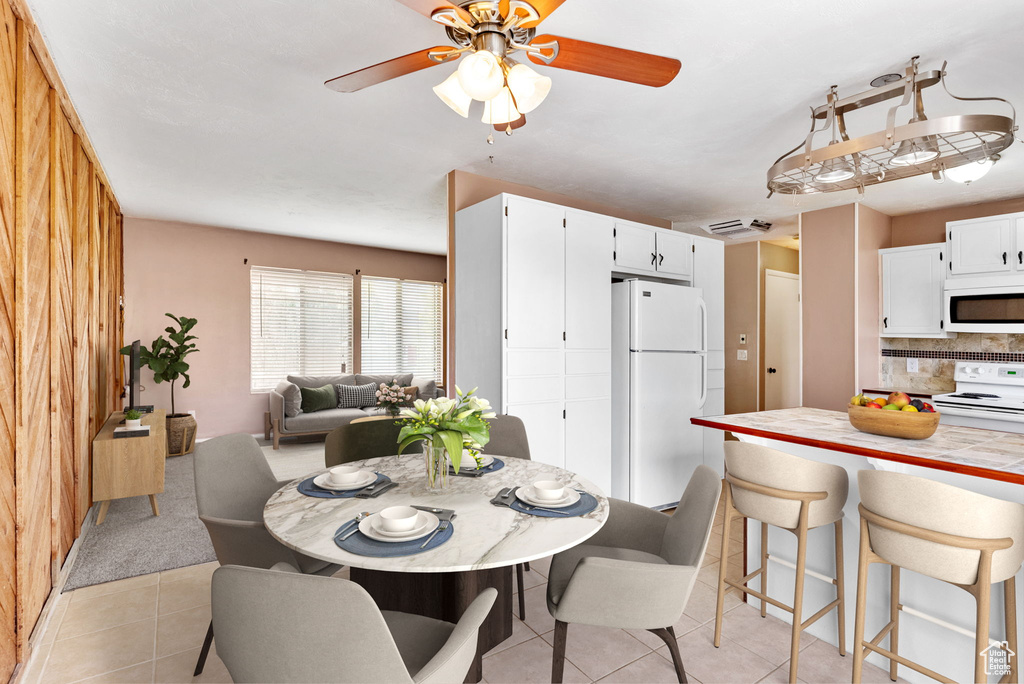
486,543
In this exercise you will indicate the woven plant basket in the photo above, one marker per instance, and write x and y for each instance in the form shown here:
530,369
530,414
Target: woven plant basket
181,434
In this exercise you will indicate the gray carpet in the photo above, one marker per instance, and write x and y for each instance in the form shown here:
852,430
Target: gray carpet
132,541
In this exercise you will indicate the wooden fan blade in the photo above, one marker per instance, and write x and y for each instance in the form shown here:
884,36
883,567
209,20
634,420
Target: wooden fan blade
428,7
393,68
544,9
610,62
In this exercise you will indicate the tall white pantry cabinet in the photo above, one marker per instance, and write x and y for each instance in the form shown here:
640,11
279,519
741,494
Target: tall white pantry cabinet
533,323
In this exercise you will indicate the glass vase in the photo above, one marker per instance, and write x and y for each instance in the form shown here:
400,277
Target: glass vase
438,463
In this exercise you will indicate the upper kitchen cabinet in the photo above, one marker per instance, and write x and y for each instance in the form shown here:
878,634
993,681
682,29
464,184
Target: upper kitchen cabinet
588,262
636,247
709,275
643,249
912,281
675,253
981,246
534,274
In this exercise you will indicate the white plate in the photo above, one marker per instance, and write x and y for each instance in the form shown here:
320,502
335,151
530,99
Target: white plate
528,495
368,478
468,462
370,526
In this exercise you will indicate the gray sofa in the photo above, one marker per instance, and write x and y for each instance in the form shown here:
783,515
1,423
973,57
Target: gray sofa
285,419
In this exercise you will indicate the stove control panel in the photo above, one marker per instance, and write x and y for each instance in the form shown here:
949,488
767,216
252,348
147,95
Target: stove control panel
990,373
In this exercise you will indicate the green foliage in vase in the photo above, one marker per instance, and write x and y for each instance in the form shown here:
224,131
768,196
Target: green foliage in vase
448,423
167,358
132,414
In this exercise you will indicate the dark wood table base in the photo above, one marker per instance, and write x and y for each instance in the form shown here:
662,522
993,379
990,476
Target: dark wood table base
445,596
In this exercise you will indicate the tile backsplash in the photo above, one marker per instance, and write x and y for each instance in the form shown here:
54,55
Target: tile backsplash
938,359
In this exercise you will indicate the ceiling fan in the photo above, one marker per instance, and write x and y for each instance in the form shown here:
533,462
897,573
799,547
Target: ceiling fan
487,32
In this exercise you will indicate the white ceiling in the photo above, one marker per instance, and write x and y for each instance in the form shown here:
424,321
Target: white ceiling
215,112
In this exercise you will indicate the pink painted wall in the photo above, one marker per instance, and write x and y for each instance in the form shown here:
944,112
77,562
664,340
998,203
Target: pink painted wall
874,233
200,271
927,227
828,285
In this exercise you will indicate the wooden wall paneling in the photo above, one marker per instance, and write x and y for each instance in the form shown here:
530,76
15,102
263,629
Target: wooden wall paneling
8,397
82,312
32,292
62,155
113,342
96,418
103,317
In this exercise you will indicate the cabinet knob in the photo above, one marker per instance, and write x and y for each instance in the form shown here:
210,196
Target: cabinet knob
1020,257
654,258
1004,258
661,258
885,322
772,370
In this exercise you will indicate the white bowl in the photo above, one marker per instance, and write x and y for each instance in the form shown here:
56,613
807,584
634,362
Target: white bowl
399,518
343,475
549,490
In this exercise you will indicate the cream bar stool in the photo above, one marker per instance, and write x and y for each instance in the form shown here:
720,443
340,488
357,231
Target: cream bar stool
944,532
794,494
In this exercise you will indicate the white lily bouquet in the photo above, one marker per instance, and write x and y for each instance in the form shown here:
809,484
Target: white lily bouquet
447,426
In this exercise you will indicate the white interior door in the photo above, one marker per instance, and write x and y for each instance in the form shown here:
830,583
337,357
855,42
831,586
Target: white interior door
534,274
781,340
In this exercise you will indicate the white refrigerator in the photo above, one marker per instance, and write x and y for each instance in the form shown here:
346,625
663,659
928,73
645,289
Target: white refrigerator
659,381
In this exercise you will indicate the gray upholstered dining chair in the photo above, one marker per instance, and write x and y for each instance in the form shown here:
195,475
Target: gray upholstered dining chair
637,572
280,626
233,482
370,438
508,438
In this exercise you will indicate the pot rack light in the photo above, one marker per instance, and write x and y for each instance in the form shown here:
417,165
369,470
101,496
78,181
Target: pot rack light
960,147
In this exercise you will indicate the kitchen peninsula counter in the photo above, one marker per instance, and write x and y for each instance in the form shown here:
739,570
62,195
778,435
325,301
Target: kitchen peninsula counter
937,616
968,451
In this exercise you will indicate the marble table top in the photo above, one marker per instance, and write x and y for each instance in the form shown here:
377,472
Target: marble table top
972,451
485,536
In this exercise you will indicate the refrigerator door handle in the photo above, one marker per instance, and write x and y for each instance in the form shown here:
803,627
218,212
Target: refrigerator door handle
703,381
704,325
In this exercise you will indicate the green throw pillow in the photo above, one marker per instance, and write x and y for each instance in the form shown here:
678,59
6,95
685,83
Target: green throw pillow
318,398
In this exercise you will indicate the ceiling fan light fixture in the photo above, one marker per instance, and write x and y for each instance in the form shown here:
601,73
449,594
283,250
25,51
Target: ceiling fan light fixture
481,76
968,173
528,87
451,93
500,109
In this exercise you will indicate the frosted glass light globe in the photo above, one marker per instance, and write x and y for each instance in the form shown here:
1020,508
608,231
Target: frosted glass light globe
500,109
452,94
529,87
968,173
480,75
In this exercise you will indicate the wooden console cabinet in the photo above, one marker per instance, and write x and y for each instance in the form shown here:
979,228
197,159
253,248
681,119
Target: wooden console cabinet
133,466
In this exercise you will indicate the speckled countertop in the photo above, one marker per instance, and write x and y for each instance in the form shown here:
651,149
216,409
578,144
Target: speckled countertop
972,451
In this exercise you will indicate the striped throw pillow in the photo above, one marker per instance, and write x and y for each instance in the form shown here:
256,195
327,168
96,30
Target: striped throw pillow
357,396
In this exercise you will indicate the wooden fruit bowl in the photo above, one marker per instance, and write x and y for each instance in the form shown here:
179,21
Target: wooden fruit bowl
904,424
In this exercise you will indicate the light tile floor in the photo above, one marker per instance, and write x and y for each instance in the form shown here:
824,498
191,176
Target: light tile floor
150,629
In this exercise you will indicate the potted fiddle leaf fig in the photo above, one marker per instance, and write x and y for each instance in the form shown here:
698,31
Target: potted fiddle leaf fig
166,358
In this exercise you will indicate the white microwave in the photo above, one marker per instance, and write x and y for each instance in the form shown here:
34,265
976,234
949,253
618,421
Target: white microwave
985,309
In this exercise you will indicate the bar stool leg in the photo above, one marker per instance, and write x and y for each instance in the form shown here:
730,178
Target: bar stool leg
840,588
764,567
798,595
894,617
1010,609
862,596
723,562
984,596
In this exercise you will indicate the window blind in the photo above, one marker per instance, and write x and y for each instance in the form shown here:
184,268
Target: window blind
402,327
300,324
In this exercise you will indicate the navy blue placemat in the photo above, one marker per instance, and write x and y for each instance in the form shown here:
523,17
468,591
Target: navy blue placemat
496,464
309,489
586,504
361,545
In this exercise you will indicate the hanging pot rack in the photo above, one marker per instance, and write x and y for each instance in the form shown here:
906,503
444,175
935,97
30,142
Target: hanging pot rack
959,139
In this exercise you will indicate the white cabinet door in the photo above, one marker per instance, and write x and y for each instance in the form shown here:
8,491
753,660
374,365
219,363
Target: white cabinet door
675,253
912,279
1018,244
534,275
979,245
545,430
714,440
588,433
635,247
588,285
709,275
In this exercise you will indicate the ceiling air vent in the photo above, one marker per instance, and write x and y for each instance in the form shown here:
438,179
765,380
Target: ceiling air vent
738,228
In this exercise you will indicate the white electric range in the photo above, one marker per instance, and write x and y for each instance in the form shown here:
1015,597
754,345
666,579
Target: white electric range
988,395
